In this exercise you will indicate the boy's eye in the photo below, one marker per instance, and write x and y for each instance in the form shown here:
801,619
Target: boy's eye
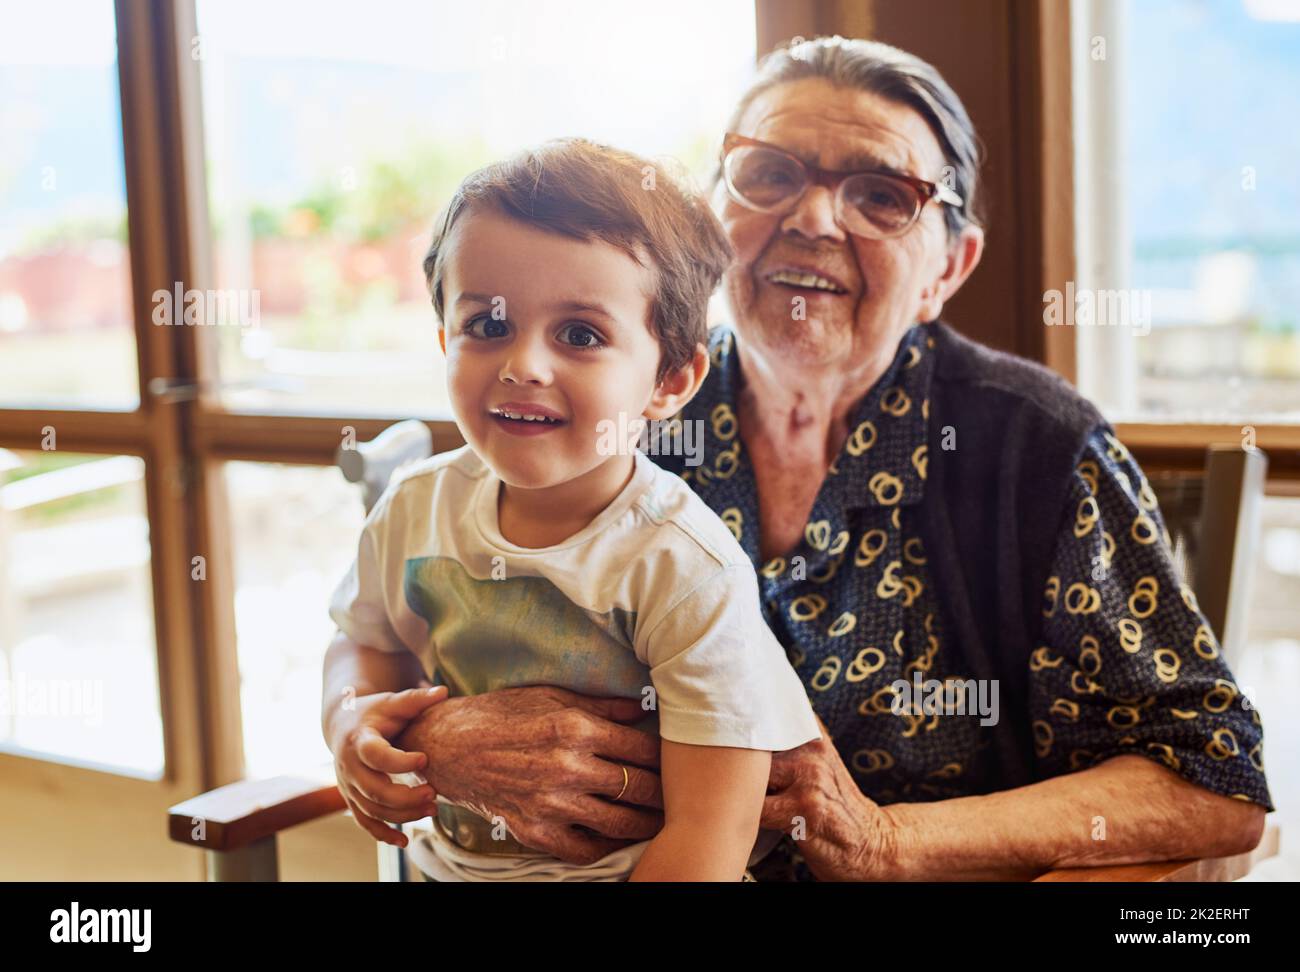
580,336
492,327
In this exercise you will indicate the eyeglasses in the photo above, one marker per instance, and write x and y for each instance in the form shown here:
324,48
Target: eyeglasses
876,204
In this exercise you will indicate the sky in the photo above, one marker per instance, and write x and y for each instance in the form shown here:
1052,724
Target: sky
1212,91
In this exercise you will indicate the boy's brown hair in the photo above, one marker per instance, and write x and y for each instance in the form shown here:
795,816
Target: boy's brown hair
585,190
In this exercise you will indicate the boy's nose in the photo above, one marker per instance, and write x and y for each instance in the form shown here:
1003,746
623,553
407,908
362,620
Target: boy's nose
525,365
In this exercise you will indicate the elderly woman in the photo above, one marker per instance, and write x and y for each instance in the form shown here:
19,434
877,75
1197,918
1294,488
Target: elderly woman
968,570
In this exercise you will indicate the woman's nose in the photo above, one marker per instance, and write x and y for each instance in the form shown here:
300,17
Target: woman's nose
813,216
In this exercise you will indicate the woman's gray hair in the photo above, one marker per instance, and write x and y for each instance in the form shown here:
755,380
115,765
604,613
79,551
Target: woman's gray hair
899,76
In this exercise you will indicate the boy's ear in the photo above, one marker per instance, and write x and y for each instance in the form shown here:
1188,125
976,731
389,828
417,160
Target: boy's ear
679,387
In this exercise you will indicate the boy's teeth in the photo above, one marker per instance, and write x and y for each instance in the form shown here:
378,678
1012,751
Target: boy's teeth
526,418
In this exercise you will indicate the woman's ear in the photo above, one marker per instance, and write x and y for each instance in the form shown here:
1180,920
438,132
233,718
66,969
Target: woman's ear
442,338
960,260
678,387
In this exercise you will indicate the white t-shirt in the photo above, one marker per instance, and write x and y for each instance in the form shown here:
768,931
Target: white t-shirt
655,591
654,599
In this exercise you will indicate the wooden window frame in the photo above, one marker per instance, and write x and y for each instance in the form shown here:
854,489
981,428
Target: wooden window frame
142,431
191,722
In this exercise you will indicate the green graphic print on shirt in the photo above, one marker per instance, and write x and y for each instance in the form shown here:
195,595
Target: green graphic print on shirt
491,634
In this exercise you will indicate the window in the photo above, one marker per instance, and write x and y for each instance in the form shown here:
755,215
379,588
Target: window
294,531
65,282
333,140
1189,209
76,610
1188,221
170,556
1270,664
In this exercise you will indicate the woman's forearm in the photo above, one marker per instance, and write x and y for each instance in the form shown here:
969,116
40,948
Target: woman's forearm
352,670
1126,810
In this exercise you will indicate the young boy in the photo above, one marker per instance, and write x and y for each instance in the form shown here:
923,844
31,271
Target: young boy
571,285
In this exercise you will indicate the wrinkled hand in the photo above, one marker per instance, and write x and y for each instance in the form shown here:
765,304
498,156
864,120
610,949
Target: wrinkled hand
844,835
541,758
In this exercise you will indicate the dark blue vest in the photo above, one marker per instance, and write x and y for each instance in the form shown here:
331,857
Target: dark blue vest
1005,436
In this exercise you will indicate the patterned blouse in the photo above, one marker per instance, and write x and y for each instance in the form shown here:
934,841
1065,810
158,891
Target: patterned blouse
1126,663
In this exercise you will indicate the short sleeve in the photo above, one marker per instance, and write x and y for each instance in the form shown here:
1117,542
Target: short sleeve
359,605
720,676
1129,664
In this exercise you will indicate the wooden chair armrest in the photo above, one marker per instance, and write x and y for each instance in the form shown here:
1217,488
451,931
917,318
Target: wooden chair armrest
235,816
1208,869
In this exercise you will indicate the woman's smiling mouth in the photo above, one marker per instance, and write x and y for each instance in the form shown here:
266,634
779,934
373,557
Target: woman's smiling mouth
805,280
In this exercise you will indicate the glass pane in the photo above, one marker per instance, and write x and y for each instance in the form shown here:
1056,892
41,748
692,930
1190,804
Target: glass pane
1212,197
334,139
79,676
295,533
65,282
1270,668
